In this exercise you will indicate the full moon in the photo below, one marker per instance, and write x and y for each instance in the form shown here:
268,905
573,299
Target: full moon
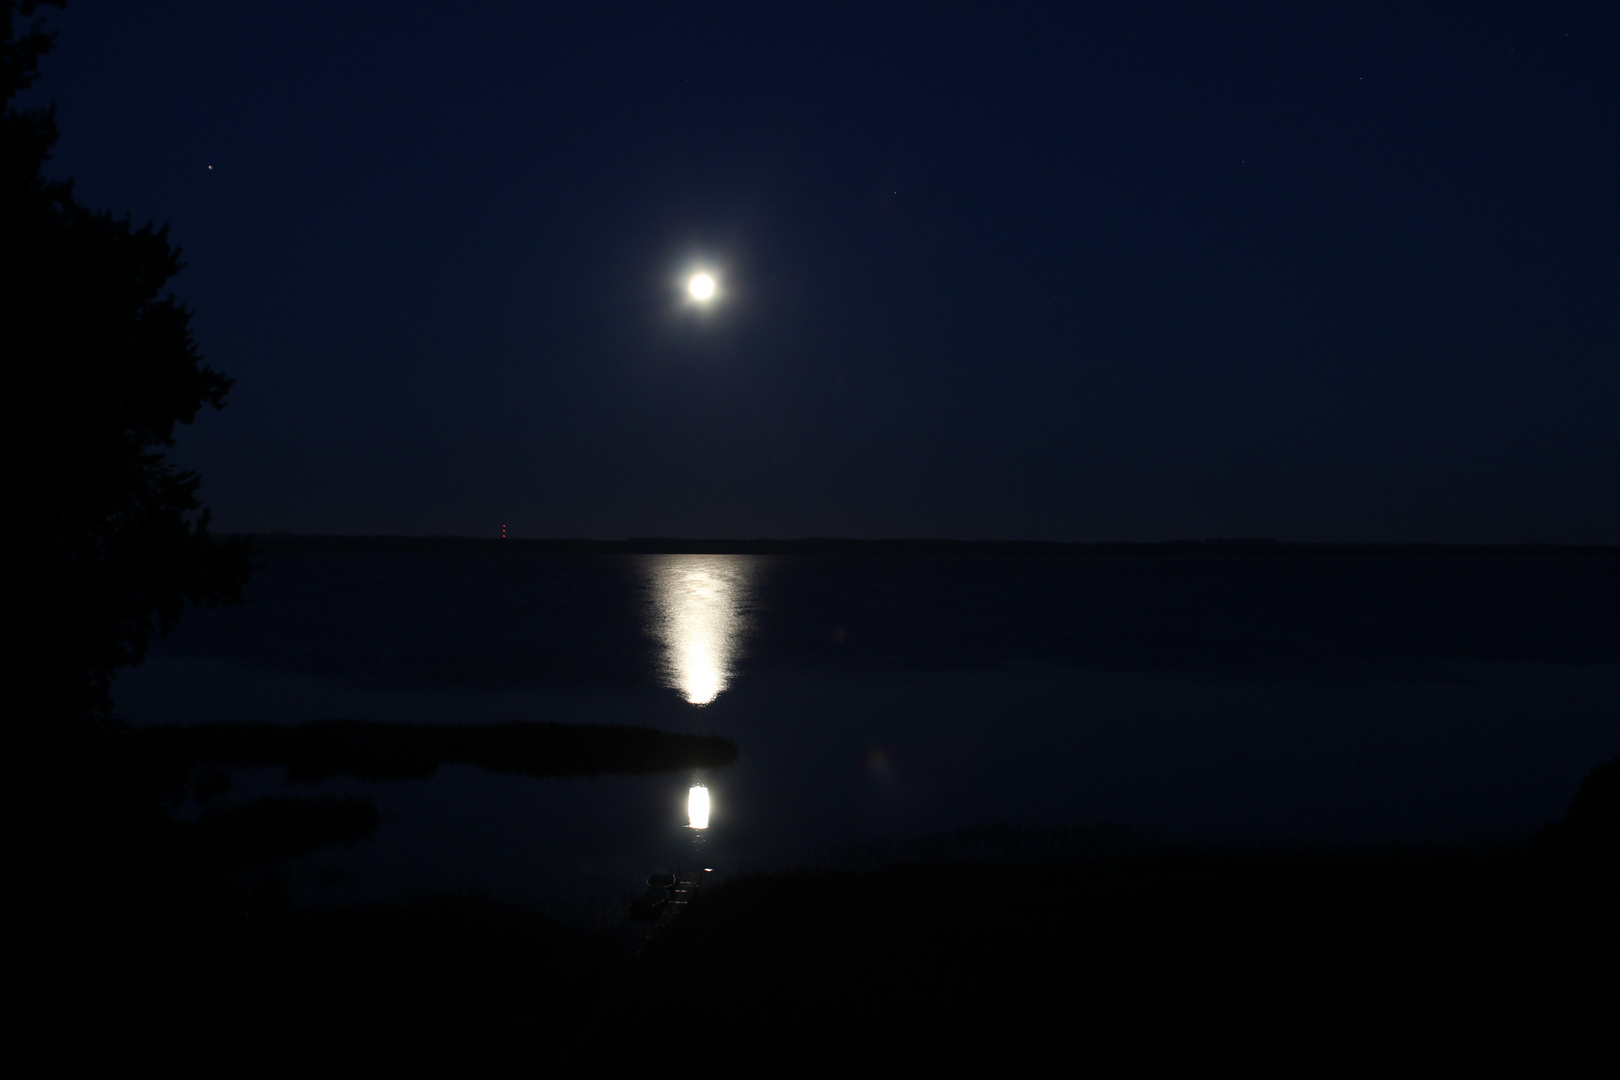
701,286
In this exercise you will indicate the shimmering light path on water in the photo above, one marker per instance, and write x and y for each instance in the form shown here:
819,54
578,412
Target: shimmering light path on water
699,603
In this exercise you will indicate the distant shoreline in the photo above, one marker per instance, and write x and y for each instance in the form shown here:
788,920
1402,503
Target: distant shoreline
292,544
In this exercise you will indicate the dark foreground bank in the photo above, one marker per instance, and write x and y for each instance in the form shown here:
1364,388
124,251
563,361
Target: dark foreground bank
1302,962
1123,956
1306,962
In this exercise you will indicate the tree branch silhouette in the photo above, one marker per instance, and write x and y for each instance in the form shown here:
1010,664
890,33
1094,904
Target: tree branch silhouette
103,368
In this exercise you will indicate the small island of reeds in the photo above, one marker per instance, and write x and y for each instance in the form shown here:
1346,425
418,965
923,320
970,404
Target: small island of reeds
368,750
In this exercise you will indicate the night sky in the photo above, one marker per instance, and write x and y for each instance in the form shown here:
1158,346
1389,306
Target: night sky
1069,271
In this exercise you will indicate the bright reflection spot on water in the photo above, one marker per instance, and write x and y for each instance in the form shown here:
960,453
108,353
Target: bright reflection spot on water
698,614
697,807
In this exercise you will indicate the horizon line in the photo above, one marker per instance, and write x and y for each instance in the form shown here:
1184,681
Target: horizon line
290,542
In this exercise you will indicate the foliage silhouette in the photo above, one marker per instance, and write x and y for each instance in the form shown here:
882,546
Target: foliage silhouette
1593,817
1585,842
103,367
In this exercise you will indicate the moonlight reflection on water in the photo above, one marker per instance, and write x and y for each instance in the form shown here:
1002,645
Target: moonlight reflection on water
1400,700
699,613
697,807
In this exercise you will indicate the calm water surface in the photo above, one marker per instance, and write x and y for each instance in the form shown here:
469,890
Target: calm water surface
874,697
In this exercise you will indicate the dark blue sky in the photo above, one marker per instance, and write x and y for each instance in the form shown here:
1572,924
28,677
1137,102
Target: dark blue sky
1133,271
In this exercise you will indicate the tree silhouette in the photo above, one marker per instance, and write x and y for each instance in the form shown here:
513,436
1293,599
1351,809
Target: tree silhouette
102,368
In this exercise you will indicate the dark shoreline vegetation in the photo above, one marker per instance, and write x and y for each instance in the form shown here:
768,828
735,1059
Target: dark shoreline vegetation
1302,961
292,544
1120,953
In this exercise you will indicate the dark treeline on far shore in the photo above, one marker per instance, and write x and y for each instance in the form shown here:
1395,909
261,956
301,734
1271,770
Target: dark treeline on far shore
370,750
290,543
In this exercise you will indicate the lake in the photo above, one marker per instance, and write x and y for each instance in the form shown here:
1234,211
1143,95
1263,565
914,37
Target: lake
874,698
